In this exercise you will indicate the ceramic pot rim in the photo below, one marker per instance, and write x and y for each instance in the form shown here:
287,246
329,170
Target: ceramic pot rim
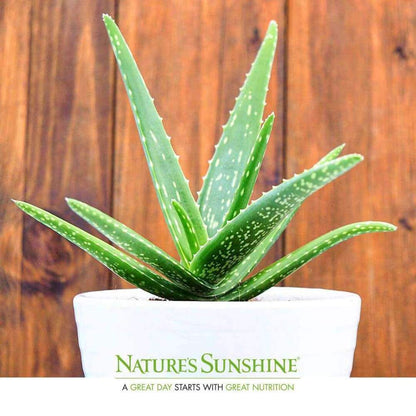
276,297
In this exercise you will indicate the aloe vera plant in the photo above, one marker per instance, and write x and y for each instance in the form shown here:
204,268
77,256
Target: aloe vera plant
222,236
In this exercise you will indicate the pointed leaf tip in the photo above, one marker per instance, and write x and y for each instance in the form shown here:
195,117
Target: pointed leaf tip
356,156
106,17
70,201
388,227
339,148
273,25
20,204
333,154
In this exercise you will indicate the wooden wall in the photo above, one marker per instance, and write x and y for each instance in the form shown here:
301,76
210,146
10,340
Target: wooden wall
345,72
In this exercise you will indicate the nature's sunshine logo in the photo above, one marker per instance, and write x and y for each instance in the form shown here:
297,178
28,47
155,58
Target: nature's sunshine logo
205,364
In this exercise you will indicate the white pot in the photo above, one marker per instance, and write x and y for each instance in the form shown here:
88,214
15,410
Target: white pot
309,332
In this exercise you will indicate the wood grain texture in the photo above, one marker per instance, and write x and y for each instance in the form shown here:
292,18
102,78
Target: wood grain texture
351,78
14,73
68,153
345,72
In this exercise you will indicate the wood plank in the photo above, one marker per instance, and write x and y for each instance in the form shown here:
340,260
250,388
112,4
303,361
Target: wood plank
14,74
351,78
193,56
68,154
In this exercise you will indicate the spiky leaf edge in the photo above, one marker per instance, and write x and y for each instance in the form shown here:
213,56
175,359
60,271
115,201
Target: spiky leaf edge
235,146
137,245
243,269
245,232
245,189
118,262
288,264
164,167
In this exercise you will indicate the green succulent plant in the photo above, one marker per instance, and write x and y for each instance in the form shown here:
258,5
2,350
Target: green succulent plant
220,237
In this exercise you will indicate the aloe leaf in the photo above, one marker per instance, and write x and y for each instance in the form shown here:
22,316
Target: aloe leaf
234,149
119,263
136,245
243,269
245,188
166,172
285,266
333,154
188,227
244,233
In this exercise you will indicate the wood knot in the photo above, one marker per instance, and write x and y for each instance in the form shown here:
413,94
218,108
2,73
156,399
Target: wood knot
254,40
401,52
48,261
53,285
405,223
255,37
